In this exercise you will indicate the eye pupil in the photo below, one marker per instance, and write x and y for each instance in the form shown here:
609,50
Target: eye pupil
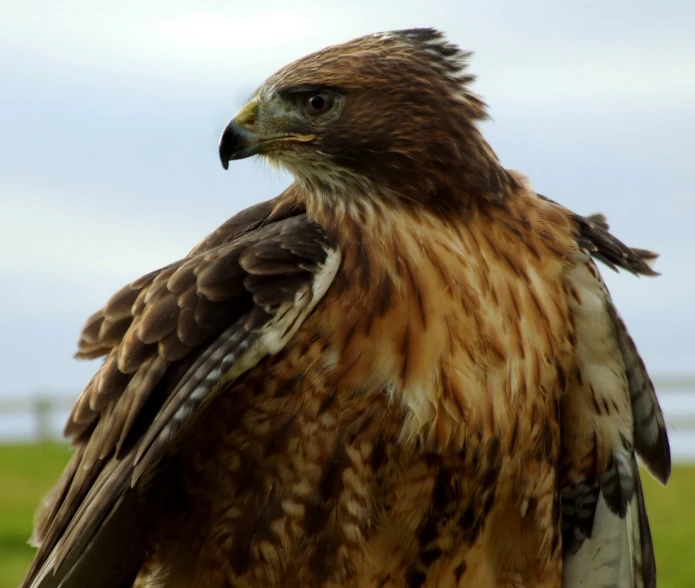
319,103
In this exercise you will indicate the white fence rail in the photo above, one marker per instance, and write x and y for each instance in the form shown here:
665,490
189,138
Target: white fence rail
40,416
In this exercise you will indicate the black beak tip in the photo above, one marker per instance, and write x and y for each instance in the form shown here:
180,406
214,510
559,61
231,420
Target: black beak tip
229,141
225,151
237,142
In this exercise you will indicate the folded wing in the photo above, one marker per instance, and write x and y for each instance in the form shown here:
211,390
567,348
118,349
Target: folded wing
171,340
610,416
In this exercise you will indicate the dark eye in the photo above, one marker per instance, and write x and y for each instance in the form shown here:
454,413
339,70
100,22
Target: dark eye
319,103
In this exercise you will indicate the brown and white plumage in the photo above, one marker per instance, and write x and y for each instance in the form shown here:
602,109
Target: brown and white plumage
403,371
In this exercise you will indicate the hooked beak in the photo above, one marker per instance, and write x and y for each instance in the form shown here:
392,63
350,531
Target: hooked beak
240,139
237,143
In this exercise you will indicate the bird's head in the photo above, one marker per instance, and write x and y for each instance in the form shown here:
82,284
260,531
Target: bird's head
391,110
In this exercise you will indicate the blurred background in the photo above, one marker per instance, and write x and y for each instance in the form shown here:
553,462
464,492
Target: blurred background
110,114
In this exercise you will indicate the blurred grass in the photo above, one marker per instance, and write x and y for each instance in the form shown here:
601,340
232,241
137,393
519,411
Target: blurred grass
26,474
28,471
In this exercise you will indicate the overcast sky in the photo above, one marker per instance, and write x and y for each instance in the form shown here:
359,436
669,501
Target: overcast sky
110,115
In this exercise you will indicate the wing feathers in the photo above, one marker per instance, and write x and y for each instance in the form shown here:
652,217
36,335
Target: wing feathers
606,534
643,549
193,388
618,481
650,437
191,327
595,239
619,550
604,560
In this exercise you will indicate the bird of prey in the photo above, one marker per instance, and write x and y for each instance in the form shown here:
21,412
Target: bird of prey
403,371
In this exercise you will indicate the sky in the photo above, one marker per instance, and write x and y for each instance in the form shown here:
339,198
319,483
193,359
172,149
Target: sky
110,115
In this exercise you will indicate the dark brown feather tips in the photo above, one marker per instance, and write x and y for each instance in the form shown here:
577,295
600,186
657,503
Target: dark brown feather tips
596,240
594,237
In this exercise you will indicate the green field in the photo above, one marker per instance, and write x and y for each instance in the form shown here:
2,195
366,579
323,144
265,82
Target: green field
27,471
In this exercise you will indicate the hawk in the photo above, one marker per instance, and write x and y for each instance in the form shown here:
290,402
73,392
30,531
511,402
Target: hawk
404,371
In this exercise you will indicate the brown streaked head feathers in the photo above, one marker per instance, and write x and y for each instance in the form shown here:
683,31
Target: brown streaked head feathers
401,123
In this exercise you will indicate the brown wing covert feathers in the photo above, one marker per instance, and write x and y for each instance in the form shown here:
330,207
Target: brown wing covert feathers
187,326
